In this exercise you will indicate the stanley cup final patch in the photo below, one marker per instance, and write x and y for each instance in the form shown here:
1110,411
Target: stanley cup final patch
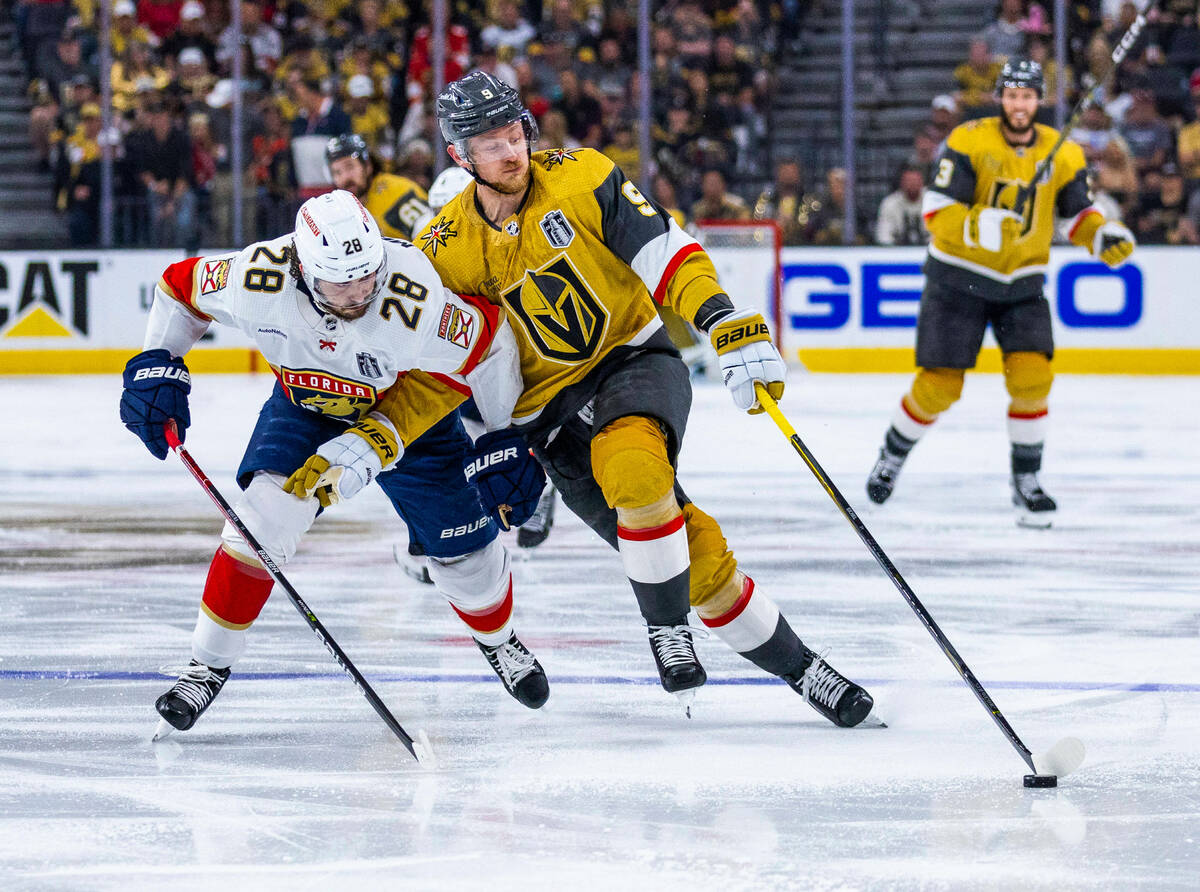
557,230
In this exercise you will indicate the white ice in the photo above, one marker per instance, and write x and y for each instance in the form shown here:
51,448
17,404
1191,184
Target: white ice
291,782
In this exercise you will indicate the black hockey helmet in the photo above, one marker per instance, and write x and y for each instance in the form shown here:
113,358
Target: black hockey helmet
347,145
477,103
1018,72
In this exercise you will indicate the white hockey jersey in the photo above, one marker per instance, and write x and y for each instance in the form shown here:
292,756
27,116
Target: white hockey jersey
407,357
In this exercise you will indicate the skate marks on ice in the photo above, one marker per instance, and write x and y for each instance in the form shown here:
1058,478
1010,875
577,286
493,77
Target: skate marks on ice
1089,629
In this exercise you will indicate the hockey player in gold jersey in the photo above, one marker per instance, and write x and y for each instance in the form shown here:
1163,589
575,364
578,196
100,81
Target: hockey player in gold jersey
991,229
577,256
398,204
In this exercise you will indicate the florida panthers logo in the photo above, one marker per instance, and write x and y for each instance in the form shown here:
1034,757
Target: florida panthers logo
328,394
560,313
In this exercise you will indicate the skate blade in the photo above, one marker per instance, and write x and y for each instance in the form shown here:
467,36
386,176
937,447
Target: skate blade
163,730
872,721
1030,520
685,699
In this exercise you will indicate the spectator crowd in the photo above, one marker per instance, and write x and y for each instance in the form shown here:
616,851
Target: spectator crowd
325,67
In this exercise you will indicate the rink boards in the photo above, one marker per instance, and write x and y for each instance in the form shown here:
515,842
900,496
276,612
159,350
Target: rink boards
841,310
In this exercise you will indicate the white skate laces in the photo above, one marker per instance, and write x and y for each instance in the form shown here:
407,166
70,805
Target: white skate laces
195,683
822,682
673,644
511,662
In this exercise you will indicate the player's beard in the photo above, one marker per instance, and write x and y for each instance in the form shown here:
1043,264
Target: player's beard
512,183
349,315
356,184
1013,128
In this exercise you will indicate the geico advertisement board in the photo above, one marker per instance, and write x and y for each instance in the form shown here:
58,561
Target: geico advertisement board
842,309
79,311
855,309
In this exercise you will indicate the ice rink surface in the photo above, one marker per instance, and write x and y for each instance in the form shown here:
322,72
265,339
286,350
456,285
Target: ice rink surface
291,782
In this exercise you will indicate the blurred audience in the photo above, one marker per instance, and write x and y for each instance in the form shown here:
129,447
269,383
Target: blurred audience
365,66
899,221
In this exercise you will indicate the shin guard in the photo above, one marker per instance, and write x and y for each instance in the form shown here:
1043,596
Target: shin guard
234,595
656,562
754,627
479,588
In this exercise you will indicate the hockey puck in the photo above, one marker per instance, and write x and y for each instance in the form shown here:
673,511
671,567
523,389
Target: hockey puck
1041,780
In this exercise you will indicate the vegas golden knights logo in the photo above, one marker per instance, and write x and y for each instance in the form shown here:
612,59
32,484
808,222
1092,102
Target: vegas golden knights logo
1008,193
564,319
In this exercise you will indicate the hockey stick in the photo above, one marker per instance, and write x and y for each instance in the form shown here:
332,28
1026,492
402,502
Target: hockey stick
421,751
1086,101
1062,758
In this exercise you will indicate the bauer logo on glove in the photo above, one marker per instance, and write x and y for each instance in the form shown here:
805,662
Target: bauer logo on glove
508,478
750,331
491,459
744,349
344,465
156,391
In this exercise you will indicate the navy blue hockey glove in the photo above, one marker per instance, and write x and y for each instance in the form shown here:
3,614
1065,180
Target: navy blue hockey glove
507,475
156,390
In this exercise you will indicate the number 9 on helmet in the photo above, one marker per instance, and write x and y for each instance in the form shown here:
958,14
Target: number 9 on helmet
338,242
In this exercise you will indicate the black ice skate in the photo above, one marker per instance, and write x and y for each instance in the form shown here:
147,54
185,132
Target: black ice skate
197,687
829,692
535,530
675,656
883,476
1035,509
519,671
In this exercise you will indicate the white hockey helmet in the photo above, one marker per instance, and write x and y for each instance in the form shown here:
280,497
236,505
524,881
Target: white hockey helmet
448,184
337,241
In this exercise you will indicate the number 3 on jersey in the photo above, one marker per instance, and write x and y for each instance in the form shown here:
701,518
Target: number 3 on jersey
403,287
945,172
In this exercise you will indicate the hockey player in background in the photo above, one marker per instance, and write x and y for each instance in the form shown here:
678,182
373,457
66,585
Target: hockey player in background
397,203
985,267
371,355
577,256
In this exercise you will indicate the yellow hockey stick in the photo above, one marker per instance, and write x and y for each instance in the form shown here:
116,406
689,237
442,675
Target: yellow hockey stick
1062,758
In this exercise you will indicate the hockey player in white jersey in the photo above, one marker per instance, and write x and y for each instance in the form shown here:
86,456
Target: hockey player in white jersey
371,352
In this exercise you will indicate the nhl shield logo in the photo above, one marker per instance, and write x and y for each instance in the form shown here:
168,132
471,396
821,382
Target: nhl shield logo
557,230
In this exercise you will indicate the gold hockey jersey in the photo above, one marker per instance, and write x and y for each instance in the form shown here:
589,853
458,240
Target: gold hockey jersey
397,204
577,268
979,167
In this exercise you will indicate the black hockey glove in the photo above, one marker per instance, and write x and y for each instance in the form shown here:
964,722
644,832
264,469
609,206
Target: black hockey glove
507,475
156,391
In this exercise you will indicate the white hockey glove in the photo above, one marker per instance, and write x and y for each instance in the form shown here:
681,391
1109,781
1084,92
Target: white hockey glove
342,466
1113,243
744,349
990,228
